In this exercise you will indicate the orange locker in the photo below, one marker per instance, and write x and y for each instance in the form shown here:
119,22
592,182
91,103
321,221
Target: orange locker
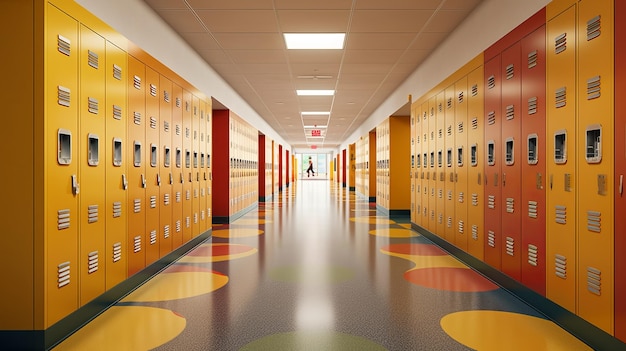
166,166
416,163
351,168
459,153
431,175
371,164
202,176
137,171
62,165
209,162
116,165
187,167
561,158
176,166
153,177
195,173
91,165
440,169
448,169
475,163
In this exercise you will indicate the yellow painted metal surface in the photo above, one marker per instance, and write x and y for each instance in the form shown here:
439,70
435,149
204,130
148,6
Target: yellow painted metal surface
399,153
195,161
153,158
440,169
165,166
449,164
460,162
177,164
187,167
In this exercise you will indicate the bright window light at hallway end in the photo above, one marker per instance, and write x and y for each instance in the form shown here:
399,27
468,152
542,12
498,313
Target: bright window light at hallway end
332,41
315,92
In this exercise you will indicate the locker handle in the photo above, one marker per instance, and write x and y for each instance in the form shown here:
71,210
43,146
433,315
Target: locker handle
158,179
182,178
171,178
75,185
503,179
551,179
124,182
621,184
205,178
143,181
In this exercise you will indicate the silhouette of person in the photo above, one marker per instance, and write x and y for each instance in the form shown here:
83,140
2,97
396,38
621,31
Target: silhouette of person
310,169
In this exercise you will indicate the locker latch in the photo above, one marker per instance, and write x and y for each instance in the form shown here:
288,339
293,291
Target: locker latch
182,178
205,177
158,179
124,182
75,185
621,184
171,178
143,181
503,179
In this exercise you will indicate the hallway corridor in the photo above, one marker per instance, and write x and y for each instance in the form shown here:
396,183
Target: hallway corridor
317,269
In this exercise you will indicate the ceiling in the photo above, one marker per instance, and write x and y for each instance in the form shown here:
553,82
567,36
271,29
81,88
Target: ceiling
386,40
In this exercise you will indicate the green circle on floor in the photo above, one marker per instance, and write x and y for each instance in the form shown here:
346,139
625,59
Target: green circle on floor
314,340
311,274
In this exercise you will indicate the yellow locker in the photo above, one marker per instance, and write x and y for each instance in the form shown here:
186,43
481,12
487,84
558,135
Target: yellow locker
116,163
431,176
449,164
416,194
595,152
91,165
187,167
137,166
166,150
178,156
475,163
208,172
440,174
459,152
153,177
195,146
61,178
561,159
202,166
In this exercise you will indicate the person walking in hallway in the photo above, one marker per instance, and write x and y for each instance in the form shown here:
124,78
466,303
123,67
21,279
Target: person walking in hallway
310,169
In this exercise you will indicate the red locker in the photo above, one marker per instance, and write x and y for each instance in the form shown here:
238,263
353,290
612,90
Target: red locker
153,160
166,166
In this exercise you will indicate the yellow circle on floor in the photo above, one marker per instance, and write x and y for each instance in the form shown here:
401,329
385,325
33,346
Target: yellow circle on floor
394,232
236,233
127,328
177,285
495,330
405,225
372,220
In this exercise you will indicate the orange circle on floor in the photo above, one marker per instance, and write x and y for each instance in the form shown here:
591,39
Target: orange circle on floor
450,279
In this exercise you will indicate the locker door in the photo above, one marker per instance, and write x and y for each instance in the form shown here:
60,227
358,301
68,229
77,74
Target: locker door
493,148
116,165
166,166
533,110
412,172
176,166
62,182
595,163
459,152
187,167
202,166
561,160
208,164
449,164
511,160
431,176
137,166
475,163
417,170
440,176
195,172
91,165
425,171
154,155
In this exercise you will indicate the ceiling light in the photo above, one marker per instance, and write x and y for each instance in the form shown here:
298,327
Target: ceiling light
315,92
314,40
316,113
315,127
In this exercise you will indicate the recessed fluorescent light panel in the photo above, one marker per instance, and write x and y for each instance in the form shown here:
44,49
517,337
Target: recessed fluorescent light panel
315,92
316,113
332,41
315,127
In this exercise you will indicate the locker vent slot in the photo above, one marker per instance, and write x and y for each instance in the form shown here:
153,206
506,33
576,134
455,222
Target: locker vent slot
153,90
137,244
63,96
491,201
491,118
92,262
459,156
449,103
491,238
177,129
117,209
532,208
440,107
64,155
195,110
567,182
532,59
117,112
593,28
92,213
533,255
178,197
560,97
153,201
178,226
166,199
202,215
532,149
491,153
64,45
188,195
137,82
178,102
187,133
560,147
560,214
560,43
474,199
510,112
166,231
153,122
560,266
187,106
593,221
510,246
137,118
166,96
432,135
440,219
117,251
593,88
440,134
178,158
117,72
510,151
201,192
594,281
474,89
475,232
449,222
92,105
491,82
510,71
532,105
153,155
63,219
153,237
450,195
461,97
474,155
166,126
449,157
449,130
594,144
167,156
92,59
63,274
137,206
195,218
510,205
137,154
93,143
195,193
432,215
460,127
461,197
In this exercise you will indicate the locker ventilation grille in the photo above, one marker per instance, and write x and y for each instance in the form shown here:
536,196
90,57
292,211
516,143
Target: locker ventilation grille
166,199
594,280
532,209
202,215
117,112
153,122
117,251
474,199
532,59
92,262
474,123
560,43
461,97
593,88
201,192
177,129
432,111
166,231
137,82
63,96
137,118
449,130
593,221
63,274
166,126
491,202
449,103
424,115
491,238
532,105
153,237
64,45
178,227
440,134
153,201
117,209
137,244
117,72
449,222
460,127
188,195
440,107
510,71
475,90
178,102
187,222
153,90
510,246
137,207
475,232
450,195
166,96
178,196
491,82
92,105
510,112
195,218
533,257
441,193
432,215
560,214
63,219
510,205
491,118
560,266
92,59
187,133
593,28
195,193
461,197
92,213
560,97
440,219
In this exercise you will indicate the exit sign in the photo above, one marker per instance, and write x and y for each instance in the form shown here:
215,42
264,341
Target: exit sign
314,147
316,132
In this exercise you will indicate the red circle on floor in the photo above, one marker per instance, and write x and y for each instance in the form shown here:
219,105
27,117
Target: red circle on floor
415,249
450,279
